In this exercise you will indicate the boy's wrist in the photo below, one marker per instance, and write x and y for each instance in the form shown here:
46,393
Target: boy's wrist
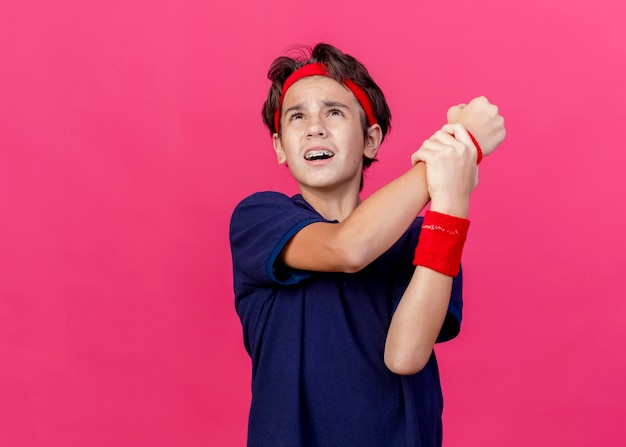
441,241
456,208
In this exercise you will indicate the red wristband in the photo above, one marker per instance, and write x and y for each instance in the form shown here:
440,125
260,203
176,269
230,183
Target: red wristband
478,149
441,241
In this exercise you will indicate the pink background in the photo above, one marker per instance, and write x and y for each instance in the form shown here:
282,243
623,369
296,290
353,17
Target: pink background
129,131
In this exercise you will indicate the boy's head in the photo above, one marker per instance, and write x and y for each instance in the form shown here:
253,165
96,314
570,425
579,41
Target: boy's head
338,66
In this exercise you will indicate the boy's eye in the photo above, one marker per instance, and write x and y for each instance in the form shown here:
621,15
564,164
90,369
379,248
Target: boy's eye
335,112
295,116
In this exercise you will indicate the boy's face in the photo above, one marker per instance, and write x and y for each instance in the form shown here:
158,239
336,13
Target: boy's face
322,139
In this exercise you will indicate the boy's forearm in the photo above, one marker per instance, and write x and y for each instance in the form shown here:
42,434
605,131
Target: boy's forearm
384,216
370,230
417,321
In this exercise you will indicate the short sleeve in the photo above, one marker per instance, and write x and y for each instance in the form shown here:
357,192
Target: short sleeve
260,227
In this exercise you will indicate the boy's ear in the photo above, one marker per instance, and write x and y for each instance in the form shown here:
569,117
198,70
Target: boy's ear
372,141
278,148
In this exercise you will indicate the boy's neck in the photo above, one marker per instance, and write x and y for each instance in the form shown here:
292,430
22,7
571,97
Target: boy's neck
332,205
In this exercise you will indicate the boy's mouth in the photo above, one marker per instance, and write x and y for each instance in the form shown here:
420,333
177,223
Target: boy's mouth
318,154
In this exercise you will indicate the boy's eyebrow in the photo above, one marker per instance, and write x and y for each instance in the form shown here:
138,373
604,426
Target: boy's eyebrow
295,108
300,106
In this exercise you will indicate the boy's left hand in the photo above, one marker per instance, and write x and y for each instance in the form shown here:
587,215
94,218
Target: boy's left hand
483,120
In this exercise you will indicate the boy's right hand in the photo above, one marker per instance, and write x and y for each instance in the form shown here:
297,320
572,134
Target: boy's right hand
451,171
482,119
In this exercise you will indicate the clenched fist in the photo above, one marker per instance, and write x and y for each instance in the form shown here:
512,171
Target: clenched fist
482,119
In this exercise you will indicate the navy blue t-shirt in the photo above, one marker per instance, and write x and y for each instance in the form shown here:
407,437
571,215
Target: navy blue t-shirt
317,339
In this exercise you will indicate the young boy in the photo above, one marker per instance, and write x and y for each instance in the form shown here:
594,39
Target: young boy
339,321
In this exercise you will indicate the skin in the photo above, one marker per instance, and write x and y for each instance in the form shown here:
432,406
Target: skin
322,114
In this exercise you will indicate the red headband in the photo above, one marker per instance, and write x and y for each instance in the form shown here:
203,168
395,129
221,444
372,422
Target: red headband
319,69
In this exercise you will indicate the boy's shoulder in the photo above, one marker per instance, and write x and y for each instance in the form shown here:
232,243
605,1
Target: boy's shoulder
264,196
271,200
270,210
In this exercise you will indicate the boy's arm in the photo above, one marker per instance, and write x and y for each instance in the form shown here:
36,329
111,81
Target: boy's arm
374,226
421,312
377,223
417,321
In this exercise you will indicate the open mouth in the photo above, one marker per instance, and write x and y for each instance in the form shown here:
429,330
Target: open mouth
321,154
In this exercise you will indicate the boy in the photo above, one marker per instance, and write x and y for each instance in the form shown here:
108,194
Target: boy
339,322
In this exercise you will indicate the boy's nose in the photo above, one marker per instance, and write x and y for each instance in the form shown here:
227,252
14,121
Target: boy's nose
316,127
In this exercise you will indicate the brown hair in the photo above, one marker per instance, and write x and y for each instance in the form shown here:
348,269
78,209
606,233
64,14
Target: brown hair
340,66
